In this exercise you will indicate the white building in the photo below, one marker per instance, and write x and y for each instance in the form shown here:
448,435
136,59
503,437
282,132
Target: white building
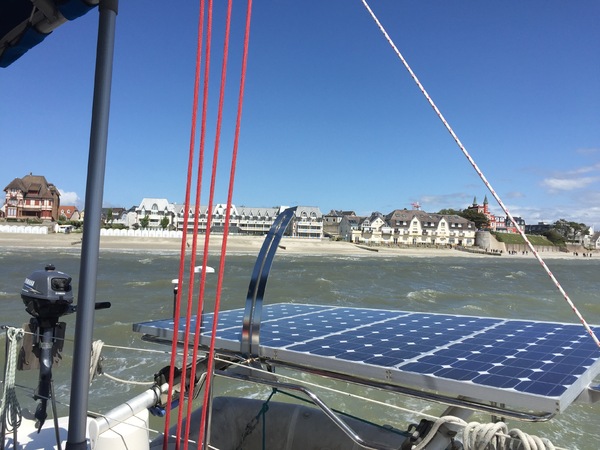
415,227
307,222
155,209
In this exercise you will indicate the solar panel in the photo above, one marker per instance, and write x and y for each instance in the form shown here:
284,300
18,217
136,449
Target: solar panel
540,366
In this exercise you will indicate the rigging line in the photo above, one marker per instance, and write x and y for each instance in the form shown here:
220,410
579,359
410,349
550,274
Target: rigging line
191,152
211,353
200,170
197,209
482,176
211,200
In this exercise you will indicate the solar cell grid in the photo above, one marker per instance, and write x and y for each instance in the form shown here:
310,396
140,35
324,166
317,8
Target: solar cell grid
529,364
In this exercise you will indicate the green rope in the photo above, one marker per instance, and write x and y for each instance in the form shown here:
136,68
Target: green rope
252,424
263,412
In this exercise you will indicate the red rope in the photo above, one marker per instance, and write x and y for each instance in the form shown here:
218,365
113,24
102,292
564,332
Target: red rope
208,223
200,306
183,383
192,145
211,355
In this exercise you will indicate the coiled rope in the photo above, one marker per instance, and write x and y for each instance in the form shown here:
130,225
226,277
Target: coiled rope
482,176
488,436
9,405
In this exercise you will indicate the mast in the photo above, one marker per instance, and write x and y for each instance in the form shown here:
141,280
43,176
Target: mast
90,250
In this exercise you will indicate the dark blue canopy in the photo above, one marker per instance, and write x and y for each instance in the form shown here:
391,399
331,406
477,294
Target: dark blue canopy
25,23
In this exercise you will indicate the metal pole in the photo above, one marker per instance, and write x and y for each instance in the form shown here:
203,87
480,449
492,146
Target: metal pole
90,250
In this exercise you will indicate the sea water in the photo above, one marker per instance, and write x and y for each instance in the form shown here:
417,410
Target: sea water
139,287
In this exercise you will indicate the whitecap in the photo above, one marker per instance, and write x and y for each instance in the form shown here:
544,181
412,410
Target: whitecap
137,283
429,295
516,274
323,280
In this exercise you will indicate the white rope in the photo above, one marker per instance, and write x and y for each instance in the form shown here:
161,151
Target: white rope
96,368
9,404
487,436
483,178
95,359
120,380
482,436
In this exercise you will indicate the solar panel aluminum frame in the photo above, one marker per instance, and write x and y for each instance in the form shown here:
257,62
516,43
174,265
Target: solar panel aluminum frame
286,316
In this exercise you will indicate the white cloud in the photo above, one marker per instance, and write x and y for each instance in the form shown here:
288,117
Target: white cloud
514,194
567,184
588,151
69,198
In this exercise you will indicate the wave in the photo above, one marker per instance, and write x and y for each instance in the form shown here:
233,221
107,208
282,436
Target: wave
138,283
323,280
429,295
146,261
516,274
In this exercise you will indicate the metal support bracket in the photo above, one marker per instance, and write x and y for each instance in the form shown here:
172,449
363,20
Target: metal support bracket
258,283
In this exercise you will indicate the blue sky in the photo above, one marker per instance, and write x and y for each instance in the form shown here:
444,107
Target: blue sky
331,117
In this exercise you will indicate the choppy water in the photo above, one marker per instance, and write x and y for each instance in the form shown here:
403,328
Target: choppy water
139,287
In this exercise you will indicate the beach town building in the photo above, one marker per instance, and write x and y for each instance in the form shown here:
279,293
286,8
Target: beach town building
485,210
414,227
595,241
508,226
539,228
154,210
255,221
307,223
69,212
113,215
31,197
332,222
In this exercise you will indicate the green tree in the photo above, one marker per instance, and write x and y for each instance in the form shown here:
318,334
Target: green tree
570,230
555,237
480,220
164,222
450,212
109,215
145,221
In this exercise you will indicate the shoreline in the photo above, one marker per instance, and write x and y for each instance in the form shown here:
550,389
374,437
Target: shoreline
250,245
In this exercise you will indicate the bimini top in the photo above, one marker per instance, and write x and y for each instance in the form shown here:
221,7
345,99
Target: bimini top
534,365
25,23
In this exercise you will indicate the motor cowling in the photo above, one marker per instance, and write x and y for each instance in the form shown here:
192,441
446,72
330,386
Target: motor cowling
47,293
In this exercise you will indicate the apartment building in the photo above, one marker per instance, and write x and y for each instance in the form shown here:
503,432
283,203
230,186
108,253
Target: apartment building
247,220
415,227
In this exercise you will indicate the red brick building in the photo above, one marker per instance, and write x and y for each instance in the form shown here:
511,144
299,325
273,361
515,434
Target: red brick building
31,197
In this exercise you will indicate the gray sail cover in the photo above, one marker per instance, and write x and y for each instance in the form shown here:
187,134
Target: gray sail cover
26,23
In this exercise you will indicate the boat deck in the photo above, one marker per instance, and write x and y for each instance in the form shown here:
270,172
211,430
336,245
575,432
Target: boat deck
537,366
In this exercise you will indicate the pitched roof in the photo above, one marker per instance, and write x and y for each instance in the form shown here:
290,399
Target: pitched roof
68,210
34,186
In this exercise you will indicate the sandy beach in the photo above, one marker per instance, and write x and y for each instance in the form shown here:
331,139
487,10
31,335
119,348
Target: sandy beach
247,245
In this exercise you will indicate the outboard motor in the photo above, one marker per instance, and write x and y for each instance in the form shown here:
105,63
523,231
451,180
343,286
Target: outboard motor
47,295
